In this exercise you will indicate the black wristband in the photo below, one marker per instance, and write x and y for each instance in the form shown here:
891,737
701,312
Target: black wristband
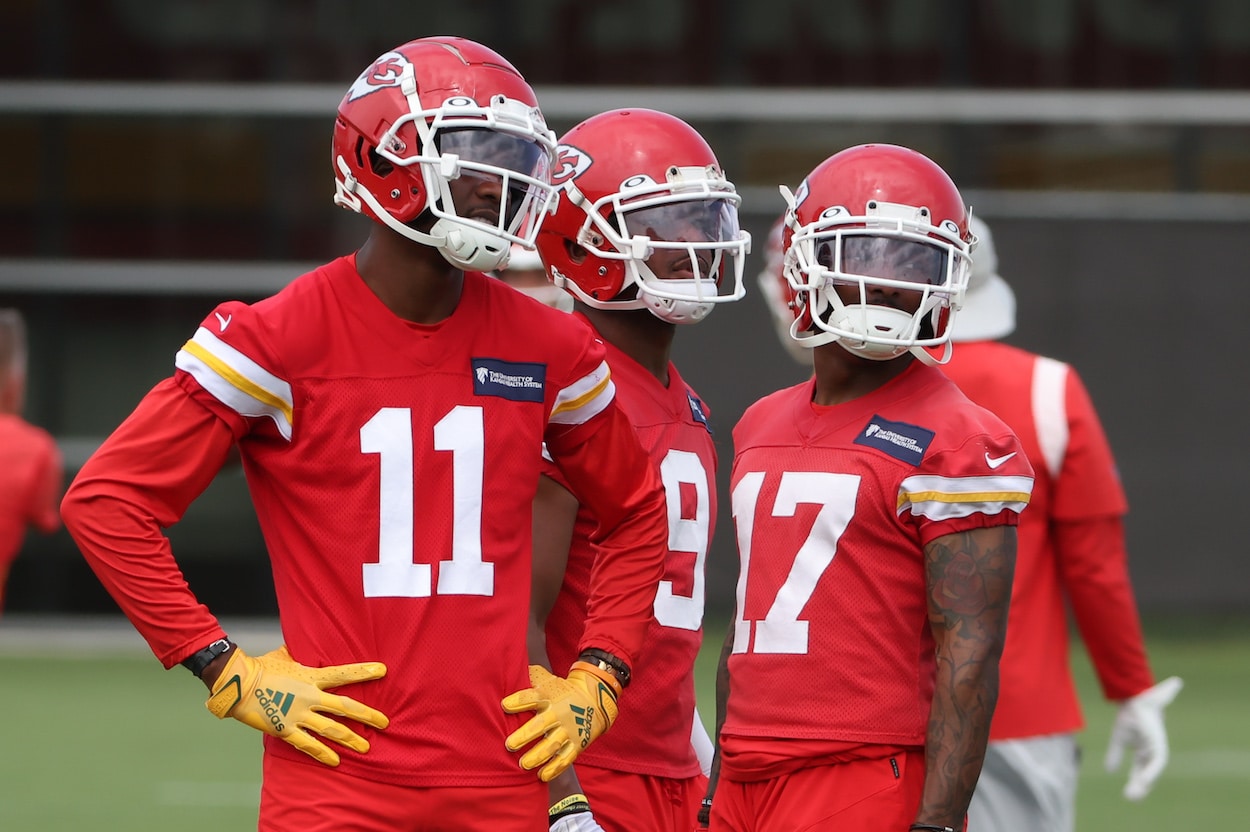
704,817
200,659
574,804
593,655
929,827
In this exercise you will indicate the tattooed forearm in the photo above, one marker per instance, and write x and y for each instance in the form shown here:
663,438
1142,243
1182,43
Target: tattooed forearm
969,583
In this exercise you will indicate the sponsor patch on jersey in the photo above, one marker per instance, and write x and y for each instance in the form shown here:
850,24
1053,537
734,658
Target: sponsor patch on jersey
696,411
515,380
898,439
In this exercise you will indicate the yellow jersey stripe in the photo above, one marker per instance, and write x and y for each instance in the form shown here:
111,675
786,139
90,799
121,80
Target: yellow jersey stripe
1001,498
574,404
238,380
585,398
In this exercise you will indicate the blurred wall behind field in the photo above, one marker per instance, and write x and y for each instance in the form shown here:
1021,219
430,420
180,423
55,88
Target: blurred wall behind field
165,156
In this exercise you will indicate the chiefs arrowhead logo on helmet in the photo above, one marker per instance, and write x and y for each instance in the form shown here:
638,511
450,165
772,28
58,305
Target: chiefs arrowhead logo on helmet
801,194
570,162
385,72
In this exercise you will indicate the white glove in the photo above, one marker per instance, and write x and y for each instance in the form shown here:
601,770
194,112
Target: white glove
1139,725
580,822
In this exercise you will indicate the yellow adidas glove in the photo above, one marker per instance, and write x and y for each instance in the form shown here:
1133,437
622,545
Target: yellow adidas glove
279,696
569,714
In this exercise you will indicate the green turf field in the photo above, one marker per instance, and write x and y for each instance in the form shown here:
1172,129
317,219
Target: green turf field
119,745
116,743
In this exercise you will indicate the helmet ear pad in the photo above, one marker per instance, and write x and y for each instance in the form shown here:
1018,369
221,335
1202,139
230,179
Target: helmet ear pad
570,264
577,253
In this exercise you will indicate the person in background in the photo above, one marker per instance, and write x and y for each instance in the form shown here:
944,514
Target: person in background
875,508
771,281
389,408
645,236
1071,550
31,471
525,273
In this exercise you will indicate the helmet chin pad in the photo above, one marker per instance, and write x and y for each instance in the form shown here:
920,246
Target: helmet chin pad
856,324
676,311
872,352
469,248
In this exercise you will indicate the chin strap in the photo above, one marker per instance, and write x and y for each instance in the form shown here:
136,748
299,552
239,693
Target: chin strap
932,360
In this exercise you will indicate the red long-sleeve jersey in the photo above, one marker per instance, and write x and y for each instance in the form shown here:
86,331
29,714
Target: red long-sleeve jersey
672,424
1071,543
833,506
30,487
392,467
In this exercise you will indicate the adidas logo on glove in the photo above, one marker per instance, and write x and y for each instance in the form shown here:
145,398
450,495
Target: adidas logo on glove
275,704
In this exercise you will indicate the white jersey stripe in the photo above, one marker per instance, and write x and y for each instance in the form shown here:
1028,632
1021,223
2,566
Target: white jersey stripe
1050,411
236,381
585,398
945,498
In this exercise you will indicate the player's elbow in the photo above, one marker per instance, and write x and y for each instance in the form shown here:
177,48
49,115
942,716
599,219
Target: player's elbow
87,509
78,509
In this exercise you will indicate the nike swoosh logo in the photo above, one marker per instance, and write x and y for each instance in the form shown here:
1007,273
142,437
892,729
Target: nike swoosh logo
225,322
994,462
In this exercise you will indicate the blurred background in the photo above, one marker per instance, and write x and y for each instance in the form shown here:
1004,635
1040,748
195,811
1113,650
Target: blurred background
165,156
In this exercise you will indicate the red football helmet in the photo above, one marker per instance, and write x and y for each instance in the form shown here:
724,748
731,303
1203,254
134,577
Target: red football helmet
645,220
432,111
881,219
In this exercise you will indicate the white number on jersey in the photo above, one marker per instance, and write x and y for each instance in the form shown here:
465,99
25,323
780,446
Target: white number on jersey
396,575
781,631
684,535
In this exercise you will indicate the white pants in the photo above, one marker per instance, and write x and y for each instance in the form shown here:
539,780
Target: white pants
1027,785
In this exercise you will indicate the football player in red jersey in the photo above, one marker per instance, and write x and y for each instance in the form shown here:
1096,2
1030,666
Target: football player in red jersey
389,409
645,237
31,473
1071,549
875,510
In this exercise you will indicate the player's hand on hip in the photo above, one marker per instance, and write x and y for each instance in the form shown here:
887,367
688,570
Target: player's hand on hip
1139,727
568,715
277,695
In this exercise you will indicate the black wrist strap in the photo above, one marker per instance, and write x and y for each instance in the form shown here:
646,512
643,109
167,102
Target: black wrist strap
593,655
929,827
200,659
704,815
